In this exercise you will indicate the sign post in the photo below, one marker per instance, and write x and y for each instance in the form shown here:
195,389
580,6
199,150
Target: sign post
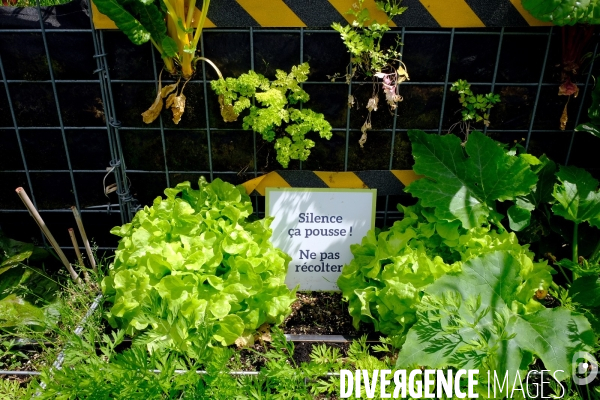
316,228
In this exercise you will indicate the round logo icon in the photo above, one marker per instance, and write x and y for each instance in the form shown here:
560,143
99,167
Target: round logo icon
586,368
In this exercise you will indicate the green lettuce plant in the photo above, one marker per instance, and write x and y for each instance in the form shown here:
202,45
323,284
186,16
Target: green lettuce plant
271,110
195,258
384,282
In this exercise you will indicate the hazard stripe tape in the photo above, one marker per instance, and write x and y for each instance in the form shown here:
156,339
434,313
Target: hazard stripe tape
389,182
322,13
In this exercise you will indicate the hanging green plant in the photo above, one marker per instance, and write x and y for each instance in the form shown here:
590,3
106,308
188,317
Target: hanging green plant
271,112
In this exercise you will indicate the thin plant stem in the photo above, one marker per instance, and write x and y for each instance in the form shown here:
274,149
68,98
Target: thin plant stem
575,247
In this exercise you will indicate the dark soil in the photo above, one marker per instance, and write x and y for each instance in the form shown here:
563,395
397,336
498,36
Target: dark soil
322,313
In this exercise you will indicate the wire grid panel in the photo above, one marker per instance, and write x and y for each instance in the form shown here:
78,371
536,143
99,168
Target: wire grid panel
435,58
144,159
54,137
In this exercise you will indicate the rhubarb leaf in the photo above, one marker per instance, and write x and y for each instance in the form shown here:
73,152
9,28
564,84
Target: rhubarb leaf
464,183
577,197
468,320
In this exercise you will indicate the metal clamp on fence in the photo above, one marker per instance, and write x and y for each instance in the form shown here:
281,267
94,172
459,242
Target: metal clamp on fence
114,123
113,186
126,197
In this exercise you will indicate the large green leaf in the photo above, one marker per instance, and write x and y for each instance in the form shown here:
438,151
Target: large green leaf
546,173
468,320
14,311
519,214
564,12
126,22
464,183
577,197
586,291
589,128
151,19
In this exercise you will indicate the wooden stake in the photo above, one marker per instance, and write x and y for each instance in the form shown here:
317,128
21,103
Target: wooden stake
86,242
38,219
78,253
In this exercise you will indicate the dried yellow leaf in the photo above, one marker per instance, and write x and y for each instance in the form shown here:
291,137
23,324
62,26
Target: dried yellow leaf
227,111
168,89
177,105
402,75
372,103
564,118
264,332
246,340
363,139
152,113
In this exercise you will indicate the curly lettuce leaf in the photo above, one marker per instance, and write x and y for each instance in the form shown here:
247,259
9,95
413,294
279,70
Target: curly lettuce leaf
384,282
473,320
272,116
193,259
464,183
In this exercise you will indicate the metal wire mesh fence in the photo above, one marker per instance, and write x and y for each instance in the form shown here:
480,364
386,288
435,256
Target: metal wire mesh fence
72,97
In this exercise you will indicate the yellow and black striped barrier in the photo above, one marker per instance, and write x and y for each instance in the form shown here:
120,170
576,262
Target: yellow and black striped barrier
322,13
387,182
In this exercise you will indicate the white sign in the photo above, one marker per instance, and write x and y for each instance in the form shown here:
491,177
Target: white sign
316,228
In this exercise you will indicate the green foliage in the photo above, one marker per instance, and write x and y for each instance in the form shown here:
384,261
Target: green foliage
363,37
593,126
27,294
384,282
577,196
196,259
564,12
11,356
104,373
476,320
475,107
520,214
94,369
272,110
12,390
464,183
165,23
